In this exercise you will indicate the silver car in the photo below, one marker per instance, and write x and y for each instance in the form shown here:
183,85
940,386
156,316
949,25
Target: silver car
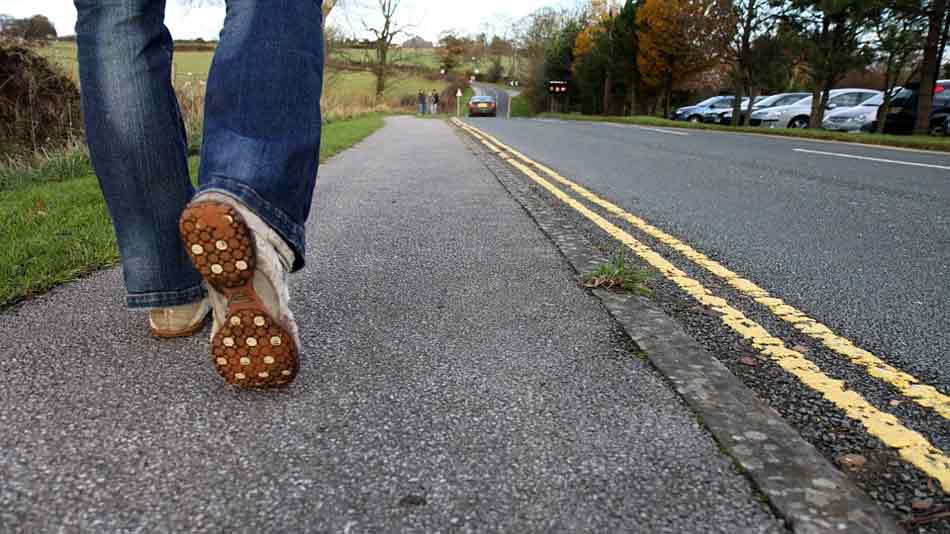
796,115
857,118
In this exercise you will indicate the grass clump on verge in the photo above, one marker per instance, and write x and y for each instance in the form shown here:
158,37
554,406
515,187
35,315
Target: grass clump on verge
616,275
920,142
54,225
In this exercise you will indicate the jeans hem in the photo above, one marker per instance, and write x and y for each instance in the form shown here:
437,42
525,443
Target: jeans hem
165,299
292,233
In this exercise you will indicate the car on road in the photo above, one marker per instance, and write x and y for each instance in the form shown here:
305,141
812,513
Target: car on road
858,118
946,126
482,106
902,115
762,102
796,115
696,112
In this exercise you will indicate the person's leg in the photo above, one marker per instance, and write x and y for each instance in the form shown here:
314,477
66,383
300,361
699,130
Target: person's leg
244,230
262,113
137,142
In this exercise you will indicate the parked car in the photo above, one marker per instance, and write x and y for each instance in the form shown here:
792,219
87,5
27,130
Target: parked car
902,115
696,112
762,102
858,118
796,115
484,106
714,115
946,126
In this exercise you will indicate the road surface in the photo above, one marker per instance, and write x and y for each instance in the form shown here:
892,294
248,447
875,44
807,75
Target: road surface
856,239
455,379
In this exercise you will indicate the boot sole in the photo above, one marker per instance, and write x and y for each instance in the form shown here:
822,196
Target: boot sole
251,349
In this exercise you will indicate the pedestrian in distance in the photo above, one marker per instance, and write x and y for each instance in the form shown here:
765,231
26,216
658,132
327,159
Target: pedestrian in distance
435,102
225,248
422,102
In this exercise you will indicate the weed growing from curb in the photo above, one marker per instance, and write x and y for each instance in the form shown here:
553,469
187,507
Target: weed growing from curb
617,275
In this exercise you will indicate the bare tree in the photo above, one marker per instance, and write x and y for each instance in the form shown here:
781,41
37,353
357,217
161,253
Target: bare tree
384,32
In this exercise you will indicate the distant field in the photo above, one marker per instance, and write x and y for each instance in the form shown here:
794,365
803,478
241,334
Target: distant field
421,57
341,85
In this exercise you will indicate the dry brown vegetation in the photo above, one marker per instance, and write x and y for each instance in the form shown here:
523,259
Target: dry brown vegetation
39,103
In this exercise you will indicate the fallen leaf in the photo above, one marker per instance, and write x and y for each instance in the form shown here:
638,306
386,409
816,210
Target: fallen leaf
748,360
895,402
801,348
852,461
922,505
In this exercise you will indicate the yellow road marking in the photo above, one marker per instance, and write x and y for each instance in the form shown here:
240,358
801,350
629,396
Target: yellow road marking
910,445
908,385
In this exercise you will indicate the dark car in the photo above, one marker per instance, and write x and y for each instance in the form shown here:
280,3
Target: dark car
482,106
946,126
902,114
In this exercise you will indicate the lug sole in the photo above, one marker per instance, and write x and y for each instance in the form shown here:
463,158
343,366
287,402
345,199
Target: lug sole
251,349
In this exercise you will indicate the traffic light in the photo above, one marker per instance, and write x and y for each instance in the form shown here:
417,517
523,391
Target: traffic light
557,87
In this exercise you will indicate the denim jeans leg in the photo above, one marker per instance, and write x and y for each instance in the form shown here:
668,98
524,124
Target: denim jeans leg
137,142
262,113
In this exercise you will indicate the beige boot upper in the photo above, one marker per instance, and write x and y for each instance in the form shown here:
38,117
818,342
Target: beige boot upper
179,321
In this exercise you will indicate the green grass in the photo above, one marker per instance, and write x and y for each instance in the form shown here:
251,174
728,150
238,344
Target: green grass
363,83
194,65
427,58
921,142
55,228
615,274
520,107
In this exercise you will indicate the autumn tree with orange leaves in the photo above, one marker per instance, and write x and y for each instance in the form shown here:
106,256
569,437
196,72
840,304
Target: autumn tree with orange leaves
680,39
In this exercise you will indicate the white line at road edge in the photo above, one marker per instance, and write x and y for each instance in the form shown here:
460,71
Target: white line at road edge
647,128
882,160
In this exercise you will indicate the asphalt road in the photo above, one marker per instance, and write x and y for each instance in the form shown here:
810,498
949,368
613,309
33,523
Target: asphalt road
502,96
861,245
455,379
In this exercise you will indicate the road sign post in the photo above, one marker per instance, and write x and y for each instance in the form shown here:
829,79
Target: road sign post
458,103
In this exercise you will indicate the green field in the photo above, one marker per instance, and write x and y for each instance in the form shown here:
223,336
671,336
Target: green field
54,226
348,84
421,57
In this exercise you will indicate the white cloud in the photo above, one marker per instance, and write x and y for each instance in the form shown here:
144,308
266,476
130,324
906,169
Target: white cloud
189,19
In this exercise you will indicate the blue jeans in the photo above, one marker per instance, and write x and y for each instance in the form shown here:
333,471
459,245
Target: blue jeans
261,129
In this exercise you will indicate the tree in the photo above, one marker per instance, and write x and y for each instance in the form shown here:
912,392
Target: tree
451,50
935,12
680,39
385,31
755,19
897,35
829,37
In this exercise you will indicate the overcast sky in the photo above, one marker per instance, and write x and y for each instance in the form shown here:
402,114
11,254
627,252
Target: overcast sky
188,19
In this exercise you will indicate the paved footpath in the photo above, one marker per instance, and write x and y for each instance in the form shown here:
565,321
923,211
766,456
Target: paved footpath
456,379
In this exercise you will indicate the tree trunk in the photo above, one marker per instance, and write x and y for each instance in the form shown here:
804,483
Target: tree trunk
748,112
381,68
929,67
816,105
886,102
737,103
607,90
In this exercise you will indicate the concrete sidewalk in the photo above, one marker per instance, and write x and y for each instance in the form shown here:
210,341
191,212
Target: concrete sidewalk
455,379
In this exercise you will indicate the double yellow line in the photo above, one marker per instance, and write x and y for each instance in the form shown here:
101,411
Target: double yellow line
910,445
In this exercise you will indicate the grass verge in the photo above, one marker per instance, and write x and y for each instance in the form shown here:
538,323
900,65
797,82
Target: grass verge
520,107
920,142
616,275
55,227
